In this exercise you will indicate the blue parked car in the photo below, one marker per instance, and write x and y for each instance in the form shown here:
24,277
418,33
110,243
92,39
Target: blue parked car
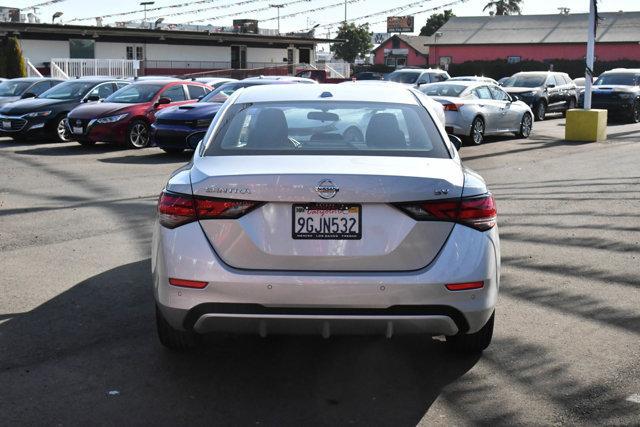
180,128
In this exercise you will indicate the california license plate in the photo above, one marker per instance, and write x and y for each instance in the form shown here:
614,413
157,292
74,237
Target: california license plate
78,130
333,221
6,125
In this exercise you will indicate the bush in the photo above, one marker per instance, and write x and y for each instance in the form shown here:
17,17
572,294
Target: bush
11,61
501,68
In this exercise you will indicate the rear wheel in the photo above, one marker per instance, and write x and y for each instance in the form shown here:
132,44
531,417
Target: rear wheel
473,343
525,126
476,137
173,338
541,111
138,134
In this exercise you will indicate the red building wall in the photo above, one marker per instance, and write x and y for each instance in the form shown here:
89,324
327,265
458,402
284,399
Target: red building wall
413,58
538,52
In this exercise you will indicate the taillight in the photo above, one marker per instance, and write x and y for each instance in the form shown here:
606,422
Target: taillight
182,283
452,107
465,286
476,212
179,209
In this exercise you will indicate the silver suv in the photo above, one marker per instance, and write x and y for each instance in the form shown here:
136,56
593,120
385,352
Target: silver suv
418,76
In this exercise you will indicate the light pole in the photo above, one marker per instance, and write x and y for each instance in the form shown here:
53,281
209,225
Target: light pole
278,6
436,36
591,41
345,12
56,15
145,4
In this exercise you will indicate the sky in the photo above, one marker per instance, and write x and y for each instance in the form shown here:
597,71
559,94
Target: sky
305,18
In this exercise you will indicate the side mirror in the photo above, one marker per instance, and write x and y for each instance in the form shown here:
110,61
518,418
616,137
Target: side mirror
163,101
457,142
92,98
200,97
28,95
551,86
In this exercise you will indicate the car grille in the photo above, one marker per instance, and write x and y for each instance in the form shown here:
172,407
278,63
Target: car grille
12,124
175,122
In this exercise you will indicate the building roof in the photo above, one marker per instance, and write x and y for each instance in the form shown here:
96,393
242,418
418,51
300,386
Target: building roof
56,31
615,27
417,43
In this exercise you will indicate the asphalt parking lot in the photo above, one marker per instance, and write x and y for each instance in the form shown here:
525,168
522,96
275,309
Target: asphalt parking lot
77,333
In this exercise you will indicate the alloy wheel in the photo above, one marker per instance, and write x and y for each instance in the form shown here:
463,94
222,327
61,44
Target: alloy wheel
477,133
525,127
62,132
139,135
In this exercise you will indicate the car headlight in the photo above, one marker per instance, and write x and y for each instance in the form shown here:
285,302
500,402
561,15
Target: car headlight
111,119
38,114
203,123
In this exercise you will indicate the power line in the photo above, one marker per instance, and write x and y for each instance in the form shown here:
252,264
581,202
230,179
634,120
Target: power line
244,12
307,11
189,12
150,9
44,4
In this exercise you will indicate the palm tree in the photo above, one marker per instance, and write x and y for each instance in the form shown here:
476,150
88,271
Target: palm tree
504,7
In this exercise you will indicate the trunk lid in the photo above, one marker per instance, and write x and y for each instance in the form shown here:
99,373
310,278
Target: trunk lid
390,239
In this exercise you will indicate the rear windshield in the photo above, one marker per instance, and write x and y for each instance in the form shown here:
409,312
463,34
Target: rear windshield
13,88
135,93
404,76
443,89
328,128
525,81
617,79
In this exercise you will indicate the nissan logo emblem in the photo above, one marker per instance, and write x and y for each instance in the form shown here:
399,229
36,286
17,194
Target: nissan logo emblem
327,189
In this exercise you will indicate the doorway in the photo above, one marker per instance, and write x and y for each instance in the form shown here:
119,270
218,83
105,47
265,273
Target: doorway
238,57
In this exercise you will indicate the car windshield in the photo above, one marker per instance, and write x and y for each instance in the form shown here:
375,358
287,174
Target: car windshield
443,89
617,79
328,128
12,88
525,81
223,92
404,76
69,90
135,93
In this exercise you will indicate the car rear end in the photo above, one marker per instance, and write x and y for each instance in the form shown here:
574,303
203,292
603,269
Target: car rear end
276,229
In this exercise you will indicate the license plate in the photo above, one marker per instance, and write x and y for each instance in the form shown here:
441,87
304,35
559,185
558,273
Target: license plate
6,125
331,221
77,130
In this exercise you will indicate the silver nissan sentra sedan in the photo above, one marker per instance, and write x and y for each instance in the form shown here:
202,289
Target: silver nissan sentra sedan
280,225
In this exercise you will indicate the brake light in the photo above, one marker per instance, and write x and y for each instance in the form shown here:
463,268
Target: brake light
465,286
182,283
452,107
175,210
476,212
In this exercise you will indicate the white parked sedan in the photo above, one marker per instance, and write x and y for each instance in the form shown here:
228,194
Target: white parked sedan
281,225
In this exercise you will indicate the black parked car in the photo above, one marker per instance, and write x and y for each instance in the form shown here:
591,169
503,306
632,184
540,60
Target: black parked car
617,91
544,91
44,116
180,128
25,87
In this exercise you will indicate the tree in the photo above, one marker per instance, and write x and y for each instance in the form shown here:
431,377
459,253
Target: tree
504,7
357,44
436,21
14,65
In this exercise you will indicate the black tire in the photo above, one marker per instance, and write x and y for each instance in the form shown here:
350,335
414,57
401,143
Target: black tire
173,338
172,150
19,138
476,136
59,132
571,104
634,115
138,135
540,111
526,125
473,343
86,142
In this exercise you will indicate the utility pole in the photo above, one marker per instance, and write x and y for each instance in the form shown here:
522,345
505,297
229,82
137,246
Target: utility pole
591,42
278,6
145,4
345,12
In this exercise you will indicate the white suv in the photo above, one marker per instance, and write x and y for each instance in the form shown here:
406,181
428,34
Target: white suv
418,76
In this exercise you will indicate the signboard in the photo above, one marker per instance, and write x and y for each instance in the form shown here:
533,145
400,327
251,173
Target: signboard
399,24
249,26
379,38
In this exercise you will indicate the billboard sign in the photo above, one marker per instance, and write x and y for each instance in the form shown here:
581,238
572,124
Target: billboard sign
379,38
399,24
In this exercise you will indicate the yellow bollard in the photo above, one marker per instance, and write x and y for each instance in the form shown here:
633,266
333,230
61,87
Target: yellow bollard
586,125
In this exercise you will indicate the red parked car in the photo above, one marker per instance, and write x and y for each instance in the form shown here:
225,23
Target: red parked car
125,116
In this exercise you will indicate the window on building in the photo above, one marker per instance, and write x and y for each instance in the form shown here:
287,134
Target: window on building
395,43
82,48
390,62
513,59
135,52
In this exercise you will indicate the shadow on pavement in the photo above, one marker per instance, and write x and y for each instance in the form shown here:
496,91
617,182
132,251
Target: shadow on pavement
99,336
71,149
154,158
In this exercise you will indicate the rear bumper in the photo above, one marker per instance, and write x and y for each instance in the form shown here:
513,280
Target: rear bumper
268,302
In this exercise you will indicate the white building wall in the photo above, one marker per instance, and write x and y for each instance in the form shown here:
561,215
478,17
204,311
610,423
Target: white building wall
41,51
262,54
111,50
164,52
